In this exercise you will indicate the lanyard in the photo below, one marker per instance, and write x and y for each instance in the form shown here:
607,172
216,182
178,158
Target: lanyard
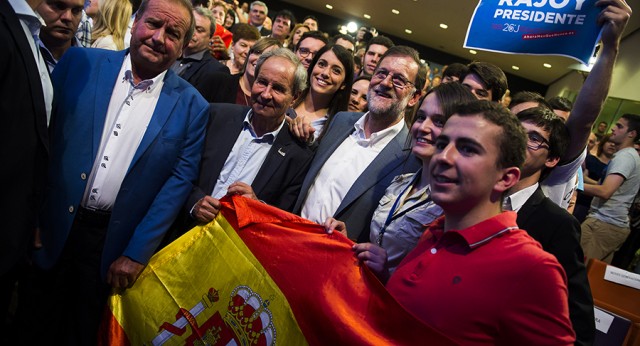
391,217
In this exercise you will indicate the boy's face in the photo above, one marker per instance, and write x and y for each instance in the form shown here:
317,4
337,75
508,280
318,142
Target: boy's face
464,172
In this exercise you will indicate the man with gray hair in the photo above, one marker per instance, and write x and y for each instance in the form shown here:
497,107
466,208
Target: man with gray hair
196,61
250,151
258,12
126,139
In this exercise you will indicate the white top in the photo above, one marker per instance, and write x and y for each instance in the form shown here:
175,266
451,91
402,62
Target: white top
246,157
516,200
105,42
31,25
561,182
130,110
343,168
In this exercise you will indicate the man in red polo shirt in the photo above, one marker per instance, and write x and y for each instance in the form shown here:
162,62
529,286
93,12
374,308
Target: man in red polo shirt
475,276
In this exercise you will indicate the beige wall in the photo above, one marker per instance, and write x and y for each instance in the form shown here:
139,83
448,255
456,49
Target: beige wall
626,76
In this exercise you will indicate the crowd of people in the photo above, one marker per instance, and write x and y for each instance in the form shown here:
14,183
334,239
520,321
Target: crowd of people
126,122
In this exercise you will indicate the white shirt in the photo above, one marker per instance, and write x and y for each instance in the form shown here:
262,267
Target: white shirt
343,168
130,110
31,25
246,157
518,199
561,182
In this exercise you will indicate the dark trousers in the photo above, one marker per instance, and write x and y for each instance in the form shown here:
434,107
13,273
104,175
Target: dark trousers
68,302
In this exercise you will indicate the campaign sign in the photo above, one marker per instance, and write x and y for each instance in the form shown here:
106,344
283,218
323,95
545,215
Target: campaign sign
557,27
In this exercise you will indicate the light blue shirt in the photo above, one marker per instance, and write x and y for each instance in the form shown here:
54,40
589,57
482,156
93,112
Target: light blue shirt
246,157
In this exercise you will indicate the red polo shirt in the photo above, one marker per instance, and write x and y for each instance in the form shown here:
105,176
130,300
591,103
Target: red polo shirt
488,284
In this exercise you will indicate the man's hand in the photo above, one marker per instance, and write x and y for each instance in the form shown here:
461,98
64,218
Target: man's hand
373,257
332,224
123,272
206,209
301,128
613,18
218,49
242,189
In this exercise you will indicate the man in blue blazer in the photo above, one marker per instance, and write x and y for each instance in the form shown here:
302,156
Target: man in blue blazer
126,141
360,154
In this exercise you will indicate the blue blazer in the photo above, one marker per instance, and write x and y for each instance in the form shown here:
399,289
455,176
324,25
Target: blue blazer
161,173
358,205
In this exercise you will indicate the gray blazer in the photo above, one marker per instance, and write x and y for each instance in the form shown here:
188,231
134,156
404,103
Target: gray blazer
358,205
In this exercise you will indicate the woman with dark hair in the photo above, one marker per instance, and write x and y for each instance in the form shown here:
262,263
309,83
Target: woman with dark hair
406,207
358,98
330,77
594,170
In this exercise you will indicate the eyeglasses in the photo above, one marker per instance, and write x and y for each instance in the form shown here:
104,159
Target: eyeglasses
535,141
397,80
304,52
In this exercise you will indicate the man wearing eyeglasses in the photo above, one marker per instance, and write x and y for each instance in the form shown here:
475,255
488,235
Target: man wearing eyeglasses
552,226
361,153
309,45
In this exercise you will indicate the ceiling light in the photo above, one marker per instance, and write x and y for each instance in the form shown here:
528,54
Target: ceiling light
408,31
472,51
515,67
546,65
329,6
367,16
444,26
394,11
352,27
422,61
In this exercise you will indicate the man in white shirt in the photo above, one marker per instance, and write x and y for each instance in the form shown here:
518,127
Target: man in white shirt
250,151
126,139
25,107
360,154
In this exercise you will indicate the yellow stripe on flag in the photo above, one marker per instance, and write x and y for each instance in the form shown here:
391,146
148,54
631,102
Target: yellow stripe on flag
204,288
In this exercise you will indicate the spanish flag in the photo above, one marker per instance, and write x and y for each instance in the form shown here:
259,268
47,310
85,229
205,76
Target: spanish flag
257,275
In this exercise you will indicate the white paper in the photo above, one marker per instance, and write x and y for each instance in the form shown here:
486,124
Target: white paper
603,320
622,277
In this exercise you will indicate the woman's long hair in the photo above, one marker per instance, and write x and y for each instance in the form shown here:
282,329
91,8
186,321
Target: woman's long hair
113,19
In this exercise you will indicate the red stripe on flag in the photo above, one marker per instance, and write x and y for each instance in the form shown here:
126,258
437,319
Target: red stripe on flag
335,299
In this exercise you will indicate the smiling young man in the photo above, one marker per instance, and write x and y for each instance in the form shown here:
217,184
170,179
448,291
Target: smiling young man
474,275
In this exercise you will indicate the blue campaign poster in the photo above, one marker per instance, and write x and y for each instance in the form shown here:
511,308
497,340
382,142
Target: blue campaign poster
557,27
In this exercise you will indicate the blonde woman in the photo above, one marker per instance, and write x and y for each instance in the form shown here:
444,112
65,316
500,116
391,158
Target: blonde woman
111,24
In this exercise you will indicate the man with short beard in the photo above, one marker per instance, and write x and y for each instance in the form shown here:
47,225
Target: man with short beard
361,153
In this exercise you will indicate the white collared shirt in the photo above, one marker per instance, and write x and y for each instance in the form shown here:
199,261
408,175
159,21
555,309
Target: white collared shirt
518,199
246,157
130,110
343,168
31,25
